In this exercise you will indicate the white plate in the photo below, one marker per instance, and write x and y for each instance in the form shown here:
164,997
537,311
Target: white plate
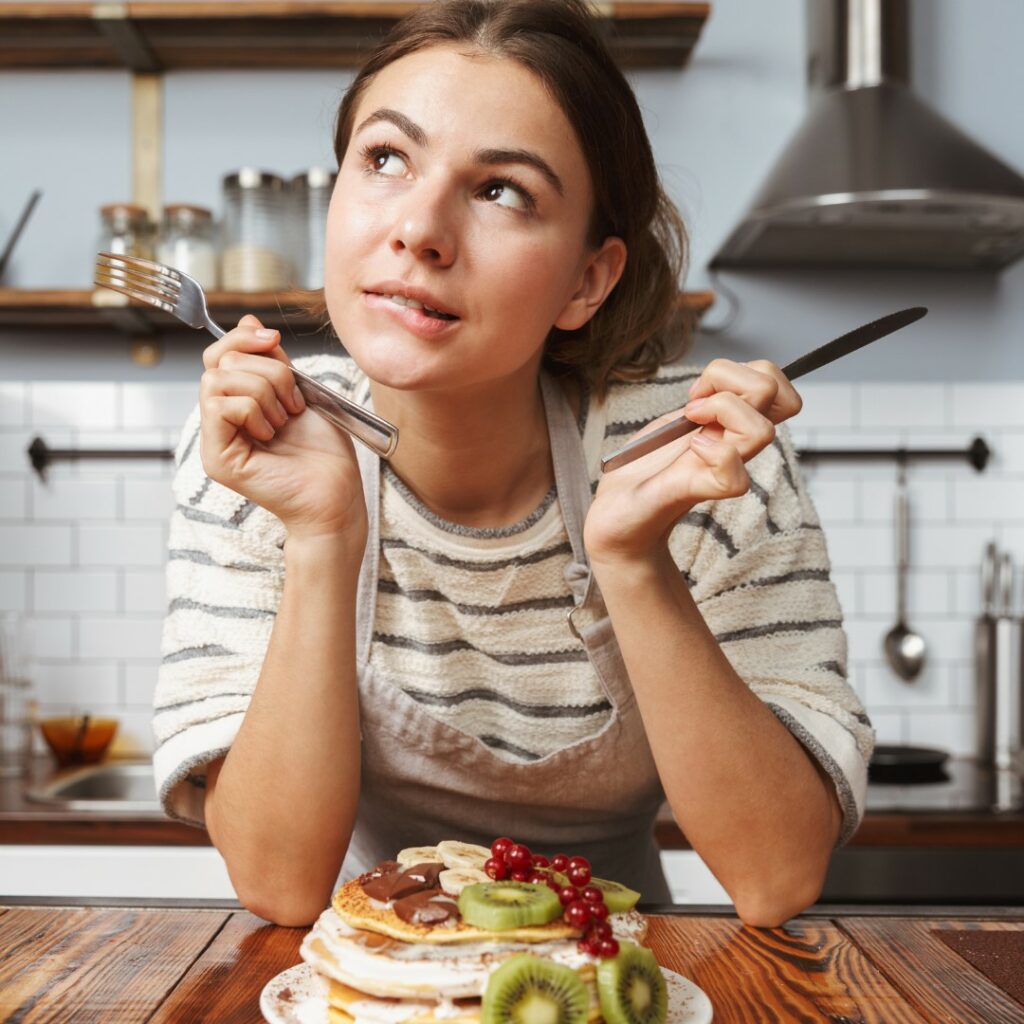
299,996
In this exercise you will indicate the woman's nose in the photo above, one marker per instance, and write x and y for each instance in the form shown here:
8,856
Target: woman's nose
424,226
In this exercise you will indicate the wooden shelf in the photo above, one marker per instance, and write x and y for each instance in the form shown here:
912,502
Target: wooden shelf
30,309
157,36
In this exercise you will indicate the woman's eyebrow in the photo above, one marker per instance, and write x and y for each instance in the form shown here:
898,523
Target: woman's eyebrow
482,156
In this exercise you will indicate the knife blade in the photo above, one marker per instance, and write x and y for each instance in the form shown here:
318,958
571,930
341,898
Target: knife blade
822,356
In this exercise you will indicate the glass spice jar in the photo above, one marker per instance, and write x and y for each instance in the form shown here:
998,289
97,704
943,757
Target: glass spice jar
125,229
254,257
187,243
310,198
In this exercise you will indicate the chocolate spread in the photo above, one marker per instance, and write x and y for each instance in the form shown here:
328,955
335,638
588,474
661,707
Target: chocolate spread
414,892
426,907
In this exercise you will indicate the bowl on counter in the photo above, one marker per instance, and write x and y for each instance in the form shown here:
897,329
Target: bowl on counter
78,739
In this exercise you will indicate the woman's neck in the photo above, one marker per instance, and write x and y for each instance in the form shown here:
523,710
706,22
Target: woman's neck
478,457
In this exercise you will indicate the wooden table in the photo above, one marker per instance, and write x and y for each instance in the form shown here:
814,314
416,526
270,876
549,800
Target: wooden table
120,964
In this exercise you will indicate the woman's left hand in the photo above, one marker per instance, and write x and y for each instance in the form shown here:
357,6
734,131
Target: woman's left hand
636,505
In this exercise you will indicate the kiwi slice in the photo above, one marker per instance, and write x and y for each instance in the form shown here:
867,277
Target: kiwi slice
528,989
617,898
631,987
499,906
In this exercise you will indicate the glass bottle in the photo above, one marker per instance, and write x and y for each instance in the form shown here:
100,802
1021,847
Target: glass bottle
187,243
255,254
310,198
125,229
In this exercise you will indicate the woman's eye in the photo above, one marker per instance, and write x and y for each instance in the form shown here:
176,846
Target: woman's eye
387,162
502,193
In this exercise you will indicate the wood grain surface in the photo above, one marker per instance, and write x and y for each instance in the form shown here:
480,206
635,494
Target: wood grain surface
85,965
118,966
939,982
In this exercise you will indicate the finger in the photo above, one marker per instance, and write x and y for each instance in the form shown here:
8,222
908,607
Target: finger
223,383
757,388
248,336
729,418
729,477
227,417
787,400
280,376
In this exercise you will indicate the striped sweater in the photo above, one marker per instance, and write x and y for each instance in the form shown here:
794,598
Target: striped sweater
471,622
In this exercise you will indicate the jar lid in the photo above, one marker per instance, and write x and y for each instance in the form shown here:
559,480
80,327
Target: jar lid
130,210
186,213
315,177
251,177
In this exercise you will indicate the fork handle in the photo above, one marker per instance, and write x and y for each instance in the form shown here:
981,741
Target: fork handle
376,433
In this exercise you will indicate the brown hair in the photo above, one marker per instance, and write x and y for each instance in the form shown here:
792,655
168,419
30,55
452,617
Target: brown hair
635,329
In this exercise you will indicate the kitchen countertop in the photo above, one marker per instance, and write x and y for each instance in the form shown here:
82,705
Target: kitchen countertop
129,963
959,812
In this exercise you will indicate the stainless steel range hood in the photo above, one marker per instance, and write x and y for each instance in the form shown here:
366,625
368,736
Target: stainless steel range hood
874,177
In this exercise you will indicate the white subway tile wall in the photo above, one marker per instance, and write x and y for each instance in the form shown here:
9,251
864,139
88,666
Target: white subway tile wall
82,553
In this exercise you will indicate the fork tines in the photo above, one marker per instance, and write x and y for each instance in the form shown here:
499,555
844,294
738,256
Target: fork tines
137,278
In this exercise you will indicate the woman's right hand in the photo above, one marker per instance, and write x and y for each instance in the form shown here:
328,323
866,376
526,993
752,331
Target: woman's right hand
258,438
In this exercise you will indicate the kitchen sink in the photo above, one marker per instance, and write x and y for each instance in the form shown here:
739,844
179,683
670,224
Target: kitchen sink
115,786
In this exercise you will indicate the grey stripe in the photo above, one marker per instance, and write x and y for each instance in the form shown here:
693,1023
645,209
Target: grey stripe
527,710
771,581
625,427
193,722
534,604
190,445
202,558
787,472
221,611
201,493
708,522
832,666
499,744
343,384
654,380
772,628
237,518
825,759
206,651
759,492
458,563
469,531
158,708
451,646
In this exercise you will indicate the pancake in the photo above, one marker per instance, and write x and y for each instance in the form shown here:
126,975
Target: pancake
355,908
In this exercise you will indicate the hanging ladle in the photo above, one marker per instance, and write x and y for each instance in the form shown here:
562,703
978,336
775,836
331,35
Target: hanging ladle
904,648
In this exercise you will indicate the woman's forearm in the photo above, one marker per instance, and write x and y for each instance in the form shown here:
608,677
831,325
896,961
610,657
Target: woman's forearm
749,798
281,806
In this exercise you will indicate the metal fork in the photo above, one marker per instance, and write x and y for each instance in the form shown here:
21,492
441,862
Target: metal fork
175,292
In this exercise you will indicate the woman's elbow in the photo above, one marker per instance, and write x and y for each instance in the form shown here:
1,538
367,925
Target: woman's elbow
772,909
289,911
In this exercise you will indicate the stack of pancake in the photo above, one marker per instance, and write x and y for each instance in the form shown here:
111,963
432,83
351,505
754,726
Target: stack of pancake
393,947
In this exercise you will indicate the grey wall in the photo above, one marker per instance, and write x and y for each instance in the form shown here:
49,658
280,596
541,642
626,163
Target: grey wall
716,128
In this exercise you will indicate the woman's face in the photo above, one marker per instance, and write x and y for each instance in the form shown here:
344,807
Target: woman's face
462,178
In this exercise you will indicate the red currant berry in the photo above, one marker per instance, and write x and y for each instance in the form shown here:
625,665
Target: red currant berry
568,894
559,862
578,870
538,878
519,856
608,947
553,885
519,875
501,846
577,914
592,947
599,929
598,910
592,894
495,867
578,876
540,861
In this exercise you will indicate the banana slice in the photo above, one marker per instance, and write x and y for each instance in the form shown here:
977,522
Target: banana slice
454,880
419,855
462,855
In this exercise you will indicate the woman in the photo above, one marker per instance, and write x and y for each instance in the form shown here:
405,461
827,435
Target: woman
465,643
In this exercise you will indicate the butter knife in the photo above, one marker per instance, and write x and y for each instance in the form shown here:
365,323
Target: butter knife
827,353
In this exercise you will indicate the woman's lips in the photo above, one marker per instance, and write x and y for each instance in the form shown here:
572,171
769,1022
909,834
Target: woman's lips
413,320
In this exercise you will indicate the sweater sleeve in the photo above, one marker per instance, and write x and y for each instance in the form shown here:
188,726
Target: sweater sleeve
758,569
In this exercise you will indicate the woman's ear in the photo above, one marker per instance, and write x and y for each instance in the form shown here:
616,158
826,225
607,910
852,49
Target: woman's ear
599,277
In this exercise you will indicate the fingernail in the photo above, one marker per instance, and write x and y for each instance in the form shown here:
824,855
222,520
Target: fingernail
265,334
299,400
693,386
700,439
282,412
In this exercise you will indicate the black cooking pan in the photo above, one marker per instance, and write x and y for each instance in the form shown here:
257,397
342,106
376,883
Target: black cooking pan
896,763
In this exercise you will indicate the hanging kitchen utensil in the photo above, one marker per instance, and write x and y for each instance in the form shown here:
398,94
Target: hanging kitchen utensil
1008,710
904,648
985,660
